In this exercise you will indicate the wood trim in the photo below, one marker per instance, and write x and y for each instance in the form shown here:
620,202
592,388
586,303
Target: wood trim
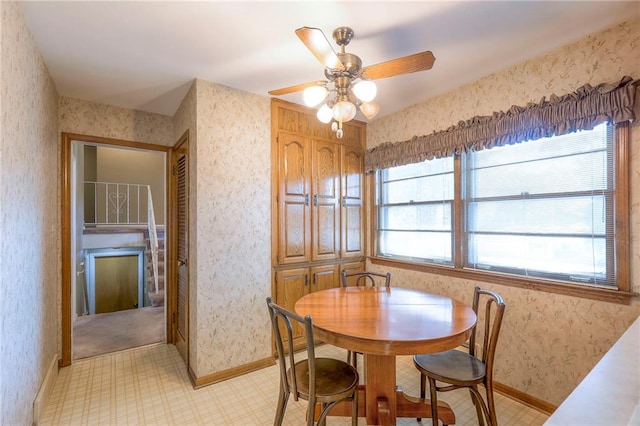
549,286
171,260
622,207
116,142
524,398
65,215
65,237
170,234
460,243
210,379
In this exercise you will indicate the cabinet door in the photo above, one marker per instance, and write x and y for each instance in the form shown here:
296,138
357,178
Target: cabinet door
291,285
352,191
326,201
324,277
294,211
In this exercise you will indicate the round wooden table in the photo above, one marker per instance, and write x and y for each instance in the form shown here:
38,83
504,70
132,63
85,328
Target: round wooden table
382,323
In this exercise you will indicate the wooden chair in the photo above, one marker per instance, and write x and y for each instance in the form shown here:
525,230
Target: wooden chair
324,381
363,279
460,369
366,278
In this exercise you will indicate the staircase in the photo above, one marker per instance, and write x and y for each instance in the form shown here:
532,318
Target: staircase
157,298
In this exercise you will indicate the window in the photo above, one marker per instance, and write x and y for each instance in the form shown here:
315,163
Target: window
543,209
416,211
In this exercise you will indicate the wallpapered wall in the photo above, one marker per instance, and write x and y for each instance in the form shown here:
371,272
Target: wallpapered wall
29,218
185,119
548,342
90,118
234,228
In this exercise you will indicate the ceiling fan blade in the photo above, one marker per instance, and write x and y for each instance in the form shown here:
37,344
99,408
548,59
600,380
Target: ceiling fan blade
407,64
317,43
296,88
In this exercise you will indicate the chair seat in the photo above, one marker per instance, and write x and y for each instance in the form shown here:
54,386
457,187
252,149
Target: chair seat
451,366
333,378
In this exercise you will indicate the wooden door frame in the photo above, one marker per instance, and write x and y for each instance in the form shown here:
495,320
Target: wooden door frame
65,207
171,259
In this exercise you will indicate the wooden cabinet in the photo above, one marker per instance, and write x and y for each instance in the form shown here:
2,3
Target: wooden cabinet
294,191
317,209
308,199
292,284
320,200
352,214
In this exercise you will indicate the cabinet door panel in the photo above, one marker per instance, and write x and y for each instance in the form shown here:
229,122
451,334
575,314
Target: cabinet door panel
294,189
324,277
326,198
291,285
352,232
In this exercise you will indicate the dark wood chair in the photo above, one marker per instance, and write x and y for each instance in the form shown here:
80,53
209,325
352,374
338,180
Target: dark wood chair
366,279
363,279
324,381
459,369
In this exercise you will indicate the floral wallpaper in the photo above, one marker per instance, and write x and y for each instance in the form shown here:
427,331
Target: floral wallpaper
185,119
90,118
233,228
548,342
29,218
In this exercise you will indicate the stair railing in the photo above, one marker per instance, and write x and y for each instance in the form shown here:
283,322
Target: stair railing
111,203
153,238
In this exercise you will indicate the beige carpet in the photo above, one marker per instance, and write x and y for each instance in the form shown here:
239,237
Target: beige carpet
115,331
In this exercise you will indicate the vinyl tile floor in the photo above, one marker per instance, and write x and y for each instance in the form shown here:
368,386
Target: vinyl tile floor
149,386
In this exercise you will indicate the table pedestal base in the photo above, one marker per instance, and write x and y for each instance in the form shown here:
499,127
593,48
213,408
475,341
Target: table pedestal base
406,406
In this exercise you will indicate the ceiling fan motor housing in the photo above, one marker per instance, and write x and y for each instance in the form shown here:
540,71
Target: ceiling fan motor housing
342,36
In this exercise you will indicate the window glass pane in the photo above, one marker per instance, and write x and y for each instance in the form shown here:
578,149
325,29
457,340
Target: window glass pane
582,172
415,200
576,259
543,208
418,188
571,215
416,217
431,246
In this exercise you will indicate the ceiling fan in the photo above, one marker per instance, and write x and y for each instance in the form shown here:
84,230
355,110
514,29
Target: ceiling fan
347,80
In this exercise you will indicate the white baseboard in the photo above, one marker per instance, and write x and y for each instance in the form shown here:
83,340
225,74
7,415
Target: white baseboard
46,388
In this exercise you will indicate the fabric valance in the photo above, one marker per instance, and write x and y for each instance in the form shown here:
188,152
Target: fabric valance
583,109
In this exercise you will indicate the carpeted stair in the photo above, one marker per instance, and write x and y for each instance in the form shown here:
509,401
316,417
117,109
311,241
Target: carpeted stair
157,298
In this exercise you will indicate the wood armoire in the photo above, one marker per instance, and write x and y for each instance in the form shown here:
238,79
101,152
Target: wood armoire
317,202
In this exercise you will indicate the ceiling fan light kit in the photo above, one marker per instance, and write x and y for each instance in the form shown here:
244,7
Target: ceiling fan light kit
348,86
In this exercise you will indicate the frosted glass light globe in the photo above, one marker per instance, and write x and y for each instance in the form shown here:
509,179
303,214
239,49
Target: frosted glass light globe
314,95
370,109
365,90
324,114
344,111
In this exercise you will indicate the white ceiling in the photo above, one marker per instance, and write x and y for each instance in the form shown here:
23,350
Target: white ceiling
144,55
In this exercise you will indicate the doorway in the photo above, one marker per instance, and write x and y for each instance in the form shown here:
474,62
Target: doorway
113,245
